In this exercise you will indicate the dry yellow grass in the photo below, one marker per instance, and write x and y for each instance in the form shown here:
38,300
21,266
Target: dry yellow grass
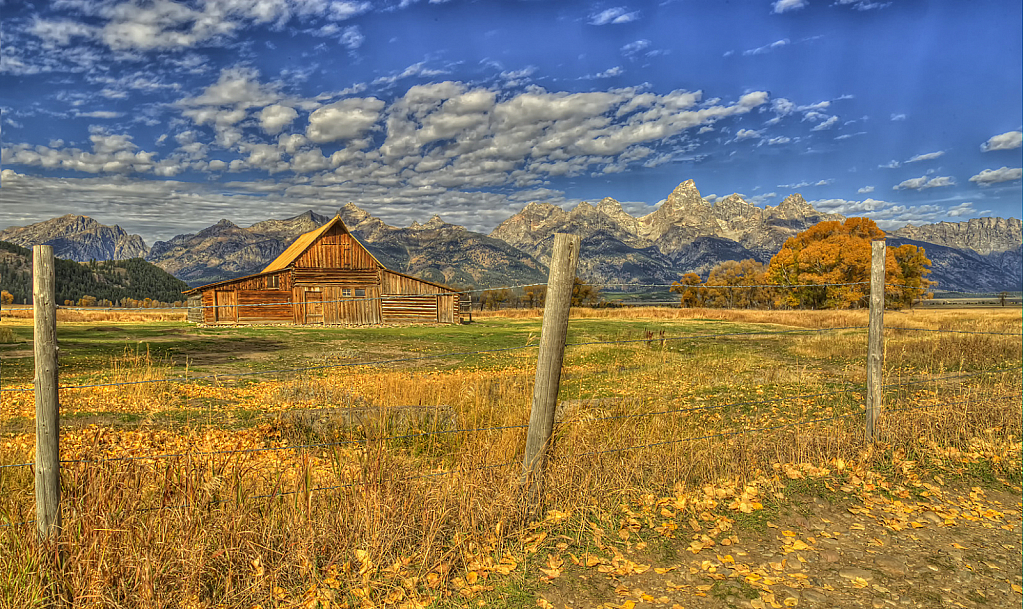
24,315
390,504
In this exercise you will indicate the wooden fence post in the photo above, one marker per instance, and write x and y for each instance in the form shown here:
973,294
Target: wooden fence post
548,367
47,464
875,336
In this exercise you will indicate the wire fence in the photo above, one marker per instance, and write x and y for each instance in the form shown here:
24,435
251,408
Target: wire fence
849,395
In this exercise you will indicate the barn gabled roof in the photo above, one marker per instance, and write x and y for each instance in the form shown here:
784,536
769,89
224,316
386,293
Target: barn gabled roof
304,241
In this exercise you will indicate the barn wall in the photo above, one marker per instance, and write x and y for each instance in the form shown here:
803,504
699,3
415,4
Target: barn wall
338,277
264,306
336,250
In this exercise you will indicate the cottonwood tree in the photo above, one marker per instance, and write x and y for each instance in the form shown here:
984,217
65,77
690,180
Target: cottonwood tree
584,294
688,290
831,263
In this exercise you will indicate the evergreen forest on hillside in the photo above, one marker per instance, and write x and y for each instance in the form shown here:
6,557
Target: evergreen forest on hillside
116,281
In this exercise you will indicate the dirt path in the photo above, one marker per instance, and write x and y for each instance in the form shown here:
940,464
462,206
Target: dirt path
923,546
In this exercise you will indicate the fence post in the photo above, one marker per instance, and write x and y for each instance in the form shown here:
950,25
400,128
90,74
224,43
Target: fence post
47,464
875,335
548,367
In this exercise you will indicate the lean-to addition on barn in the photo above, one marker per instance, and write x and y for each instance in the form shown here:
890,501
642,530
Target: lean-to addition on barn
325,277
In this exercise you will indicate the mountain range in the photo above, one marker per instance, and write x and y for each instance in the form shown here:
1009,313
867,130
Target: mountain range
685,233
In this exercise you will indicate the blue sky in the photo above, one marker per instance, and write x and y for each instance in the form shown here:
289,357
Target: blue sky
164,117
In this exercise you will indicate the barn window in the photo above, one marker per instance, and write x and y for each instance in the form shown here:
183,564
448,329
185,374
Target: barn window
273,282
346,292
360,292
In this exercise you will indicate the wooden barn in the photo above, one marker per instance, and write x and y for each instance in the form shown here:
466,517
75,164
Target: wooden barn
325,277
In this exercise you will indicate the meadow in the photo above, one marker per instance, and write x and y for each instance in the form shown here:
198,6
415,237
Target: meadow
303,466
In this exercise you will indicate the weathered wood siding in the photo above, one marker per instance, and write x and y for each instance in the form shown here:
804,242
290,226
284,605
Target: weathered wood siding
339,277
208,316
409,309
195,310
264,305
410,299
336,250
225,305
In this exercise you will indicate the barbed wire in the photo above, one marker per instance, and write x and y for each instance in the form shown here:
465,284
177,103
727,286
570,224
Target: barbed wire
709,286
275,494
295,447
714,406
181,379
937,290
904,329
711,335
290,302
950,377
17,465
433,356
743,431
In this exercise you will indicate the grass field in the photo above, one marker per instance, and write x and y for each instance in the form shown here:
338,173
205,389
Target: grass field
186,486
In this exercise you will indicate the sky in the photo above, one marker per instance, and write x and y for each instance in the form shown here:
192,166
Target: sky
164,117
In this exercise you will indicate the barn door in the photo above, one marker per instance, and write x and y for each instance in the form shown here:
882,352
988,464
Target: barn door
313,307
225,305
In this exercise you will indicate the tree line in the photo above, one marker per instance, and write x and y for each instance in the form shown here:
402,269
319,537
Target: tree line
113,282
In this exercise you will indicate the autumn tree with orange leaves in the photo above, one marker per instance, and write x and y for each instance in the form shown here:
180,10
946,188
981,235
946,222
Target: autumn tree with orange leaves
831,260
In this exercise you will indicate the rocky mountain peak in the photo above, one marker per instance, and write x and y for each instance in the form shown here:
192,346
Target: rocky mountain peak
79,238
353,214
584,209
982,235
435,222
609,206
796,202
685,196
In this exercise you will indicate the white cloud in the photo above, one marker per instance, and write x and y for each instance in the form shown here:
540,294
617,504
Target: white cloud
781,6
746,134
100,114
352,38
893,164
111,153
828,124
238,86
864,5
341,10
164,24
274,118
309,161
898,117
615,16
992,176
890,216
344,120
774,141
635,47
804,184
865,190
767,47
923,182
1004,141
608,73
926,157
60,33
